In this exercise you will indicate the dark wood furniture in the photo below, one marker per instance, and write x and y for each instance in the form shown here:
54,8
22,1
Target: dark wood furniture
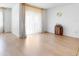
58,29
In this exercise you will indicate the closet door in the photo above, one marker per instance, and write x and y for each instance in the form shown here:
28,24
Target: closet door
1,20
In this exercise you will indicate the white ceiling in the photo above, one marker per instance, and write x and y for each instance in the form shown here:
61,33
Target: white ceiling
48,5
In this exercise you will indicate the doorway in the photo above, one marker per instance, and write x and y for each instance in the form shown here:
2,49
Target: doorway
5,20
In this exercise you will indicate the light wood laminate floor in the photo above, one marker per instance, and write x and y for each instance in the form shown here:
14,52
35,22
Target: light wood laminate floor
44,44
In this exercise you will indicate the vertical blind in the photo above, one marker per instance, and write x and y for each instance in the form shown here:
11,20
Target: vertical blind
33,20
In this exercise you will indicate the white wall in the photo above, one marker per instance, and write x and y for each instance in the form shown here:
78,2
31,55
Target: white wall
15,19
69,19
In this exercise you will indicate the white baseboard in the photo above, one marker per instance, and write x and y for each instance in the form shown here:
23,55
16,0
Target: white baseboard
68,34
72,35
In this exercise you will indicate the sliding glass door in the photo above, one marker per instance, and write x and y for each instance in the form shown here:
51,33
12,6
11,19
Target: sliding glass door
33,20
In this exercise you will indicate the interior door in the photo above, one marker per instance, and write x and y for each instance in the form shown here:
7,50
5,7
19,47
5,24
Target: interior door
1,20
7,19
